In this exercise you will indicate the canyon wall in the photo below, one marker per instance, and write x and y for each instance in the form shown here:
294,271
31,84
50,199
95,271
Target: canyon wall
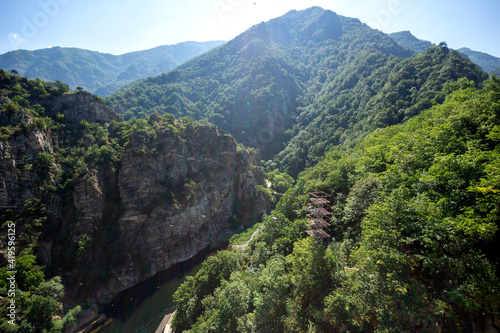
173,189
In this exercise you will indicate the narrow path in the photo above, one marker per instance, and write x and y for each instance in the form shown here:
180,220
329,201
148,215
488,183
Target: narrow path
165,324
243,246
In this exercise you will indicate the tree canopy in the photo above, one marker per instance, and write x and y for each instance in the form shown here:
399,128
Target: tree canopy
415,220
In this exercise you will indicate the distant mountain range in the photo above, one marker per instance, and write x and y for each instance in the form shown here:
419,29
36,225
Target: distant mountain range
100,73
487,62
103,73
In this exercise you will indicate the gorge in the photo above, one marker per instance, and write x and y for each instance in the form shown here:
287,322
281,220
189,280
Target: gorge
106,193
126,201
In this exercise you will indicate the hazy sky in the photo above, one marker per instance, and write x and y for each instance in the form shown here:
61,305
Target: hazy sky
120,26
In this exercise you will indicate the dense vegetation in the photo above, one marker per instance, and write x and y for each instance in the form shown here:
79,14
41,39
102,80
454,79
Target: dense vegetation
253,85
386,91
406,39
74,152
487,62
298,85
100,73
407,146
414,231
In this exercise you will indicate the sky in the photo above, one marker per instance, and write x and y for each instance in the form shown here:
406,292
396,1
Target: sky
121,26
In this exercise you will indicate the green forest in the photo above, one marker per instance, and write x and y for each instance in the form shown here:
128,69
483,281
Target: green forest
78,152
415,219
295,95
406,144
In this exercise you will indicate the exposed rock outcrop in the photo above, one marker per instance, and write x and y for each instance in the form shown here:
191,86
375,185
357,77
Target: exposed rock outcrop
176,196
172,191
18,179
78,106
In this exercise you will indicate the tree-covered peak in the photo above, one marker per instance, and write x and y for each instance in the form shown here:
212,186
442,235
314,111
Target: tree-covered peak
408,40
253,85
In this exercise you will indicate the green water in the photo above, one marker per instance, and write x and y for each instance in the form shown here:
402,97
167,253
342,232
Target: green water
141,308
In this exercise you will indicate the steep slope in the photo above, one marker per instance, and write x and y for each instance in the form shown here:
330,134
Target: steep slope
252,86
372,91
487,62
104,204
406,39
100,73
299,84
414,237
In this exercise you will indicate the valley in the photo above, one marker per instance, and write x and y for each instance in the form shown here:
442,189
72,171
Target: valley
108,192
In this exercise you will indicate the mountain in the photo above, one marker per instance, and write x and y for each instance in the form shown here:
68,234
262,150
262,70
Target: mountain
406,39
414,234
100,73
300,84
83,189
405,145
487,62
496,71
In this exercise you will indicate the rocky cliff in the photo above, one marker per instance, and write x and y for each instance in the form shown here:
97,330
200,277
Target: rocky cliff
105,204
171,197
18,179
82,106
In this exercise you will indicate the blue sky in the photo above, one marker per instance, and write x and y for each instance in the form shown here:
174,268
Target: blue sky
120,26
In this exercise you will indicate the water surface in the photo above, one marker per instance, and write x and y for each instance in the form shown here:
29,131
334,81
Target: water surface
141,308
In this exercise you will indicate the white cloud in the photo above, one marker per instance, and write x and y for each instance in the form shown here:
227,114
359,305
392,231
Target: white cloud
16,40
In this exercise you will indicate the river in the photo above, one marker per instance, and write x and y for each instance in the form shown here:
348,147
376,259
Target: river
141,308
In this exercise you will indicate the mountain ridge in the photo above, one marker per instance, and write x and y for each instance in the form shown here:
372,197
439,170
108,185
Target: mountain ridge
487,62
266,85
100,73
406,146
408,40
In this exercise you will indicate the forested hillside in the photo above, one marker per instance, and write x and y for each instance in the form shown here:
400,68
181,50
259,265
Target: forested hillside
414,234
100,73
253,86
87,193
406,39
487,62
300,84
106,193
373,92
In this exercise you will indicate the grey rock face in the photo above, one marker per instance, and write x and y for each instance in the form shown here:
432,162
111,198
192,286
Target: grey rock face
179,197
83,106
174,192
